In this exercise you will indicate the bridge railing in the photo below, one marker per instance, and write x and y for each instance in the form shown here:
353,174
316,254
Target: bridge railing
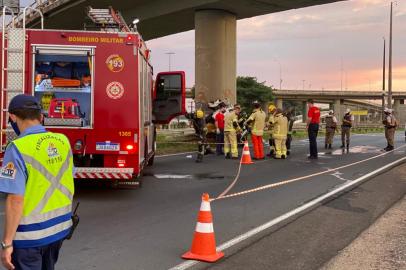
31,14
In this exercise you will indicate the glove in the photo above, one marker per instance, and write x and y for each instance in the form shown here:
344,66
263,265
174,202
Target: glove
218,131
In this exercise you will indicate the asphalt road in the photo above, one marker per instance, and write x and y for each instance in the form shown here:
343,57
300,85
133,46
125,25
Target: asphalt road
149,228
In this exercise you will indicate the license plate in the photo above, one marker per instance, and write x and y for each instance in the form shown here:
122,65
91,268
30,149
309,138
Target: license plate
104,146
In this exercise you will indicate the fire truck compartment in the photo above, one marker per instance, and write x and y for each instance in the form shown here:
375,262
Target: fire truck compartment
63,83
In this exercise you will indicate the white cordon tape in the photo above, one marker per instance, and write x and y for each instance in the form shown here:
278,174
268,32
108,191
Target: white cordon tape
204,227
273,222
223,196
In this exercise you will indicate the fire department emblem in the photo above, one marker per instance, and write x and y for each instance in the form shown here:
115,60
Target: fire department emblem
115,63
9,171
115,90
52,150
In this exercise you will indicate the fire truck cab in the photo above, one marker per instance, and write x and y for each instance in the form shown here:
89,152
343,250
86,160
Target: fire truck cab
97,88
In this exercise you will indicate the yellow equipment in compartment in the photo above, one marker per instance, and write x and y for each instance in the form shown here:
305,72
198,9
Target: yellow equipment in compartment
46,100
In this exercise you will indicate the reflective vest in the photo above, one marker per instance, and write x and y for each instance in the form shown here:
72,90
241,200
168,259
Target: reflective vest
330,122
49,189
347,117
258,117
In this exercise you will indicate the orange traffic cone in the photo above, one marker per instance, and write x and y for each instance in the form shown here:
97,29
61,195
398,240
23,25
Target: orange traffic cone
204,242
246,156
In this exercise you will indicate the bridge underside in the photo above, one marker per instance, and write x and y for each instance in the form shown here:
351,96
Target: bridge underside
214,21
164,17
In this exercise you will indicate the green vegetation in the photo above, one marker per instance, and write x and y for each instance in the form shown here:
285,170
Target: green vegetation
249,89
169,144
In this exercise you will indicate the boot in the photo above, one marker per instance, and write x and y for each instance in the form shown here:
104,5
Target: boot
342,146
288,152
329,146
325,146
228,155
199,158
348,147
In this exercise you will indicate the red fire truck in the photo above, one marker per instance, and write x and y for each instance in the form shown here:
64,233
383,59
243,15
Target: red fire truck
96,87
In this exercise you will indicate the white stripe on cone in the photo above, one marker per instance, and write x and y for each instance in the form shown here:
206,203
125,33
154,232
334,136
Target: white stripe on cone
204,227
205,206
246,152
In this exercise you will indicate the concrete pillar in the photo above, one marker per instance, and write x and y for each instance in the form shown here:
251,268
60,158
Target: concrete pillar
304,112
279,103
337,110
215,55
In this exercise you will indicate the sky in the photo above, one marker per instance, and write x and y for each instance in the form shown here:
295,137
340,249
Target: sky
309,46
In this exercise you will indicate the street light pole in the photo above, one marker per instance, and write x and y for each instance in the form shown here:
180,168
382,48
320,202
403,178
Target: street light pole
384,75
390,60
170,55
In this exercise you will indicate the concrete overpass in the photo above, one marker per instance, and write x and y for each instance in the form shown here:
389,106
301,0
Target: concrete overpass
337,99
213,20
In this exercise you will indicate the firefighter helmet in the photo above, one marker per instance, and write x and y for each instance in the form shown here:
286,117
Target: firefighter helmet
199,114
271,108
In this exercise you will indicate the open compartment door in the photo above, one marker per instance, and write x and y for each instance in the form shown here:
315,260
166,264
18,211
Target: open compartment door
169,96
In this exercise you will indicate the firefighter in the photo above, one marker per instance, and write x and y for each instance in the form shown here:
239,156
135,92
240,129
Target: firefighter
199,123
257,124
331,125
231,128
271,122
37,178
346,129
280,134
390,123
291,119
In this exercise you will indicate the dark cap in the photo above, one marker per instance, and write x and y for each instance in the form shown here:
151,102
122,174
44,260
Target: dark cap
23,102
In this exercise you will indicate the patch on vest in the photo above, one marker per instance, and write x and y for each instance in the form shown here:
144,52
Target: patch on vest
53,154
9,171
52,150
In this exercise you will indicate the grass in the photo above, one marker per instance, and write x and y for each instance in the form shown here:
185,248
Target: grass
169,144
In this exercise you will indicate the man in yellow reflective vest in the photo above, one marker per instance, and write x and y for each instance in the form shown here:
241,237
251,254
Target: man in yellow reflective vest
257,123
231,128
37,177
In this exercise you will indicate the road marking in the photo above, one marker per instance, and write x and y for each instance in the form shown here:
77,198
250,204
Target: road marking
177,154
273,222
172,176
301,177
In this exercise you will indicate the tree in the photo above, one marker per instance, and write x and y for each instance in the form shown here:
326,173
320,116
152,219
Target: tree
249,90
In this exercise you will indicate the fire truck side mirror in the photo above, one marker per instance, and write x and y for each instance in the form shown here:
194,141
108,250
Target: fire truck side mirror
169,93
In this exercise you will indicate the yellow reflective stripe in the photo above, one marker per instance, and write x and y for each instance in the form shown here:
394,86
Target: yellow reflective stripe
40,234
37,218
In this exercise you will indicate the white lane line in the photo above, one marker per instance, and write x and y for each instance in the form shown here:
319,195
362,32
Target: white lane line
177,154
273,222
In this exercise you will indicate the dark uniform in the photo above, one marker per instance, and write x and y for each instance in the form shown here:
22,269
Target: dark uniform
390,123
291,119
198,119
346,129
